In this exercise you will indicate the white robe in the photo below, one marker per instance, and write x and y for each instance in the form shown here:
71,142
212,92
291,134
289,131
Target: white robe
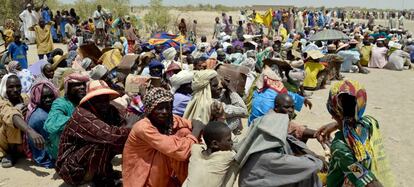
29,19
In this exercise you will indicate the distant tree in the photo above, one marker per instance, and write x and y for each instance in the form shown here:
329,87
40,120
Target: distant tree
158,17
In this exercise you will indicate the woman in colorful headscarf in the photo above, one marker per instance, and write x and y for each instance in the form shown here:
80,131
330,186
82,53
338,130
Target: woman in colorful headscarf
158,147
356,155
42,95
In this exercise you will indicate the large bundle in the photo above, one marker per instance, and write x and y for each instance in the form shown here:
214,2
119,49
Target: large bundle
235,73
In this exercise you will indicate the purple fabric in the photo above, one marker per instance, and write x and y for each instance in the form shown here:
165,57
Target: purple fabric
35,68
180,103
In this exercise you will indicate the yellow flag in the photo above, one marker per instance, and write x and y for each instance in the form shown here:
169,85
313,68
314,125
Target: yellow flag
265,19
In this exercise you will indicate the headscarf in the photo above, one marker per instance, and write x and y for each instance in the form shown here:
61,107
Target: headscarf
85,63
36,95
182,77
199,106
11,67
249,63
27,79
169,54
154,97
356,137
3,85
155,64
74,78
269,79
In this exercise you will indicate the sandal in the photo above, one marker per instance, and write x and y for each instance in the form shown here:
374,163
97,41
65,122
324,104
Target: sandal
7,162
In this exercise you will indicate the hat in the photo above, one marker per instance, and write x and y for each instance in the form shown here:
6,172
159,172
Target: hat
57,59
353,41
86,62
154,97
169,53
394,45
155,64
314,54
173,66
96,88
98,72
182,77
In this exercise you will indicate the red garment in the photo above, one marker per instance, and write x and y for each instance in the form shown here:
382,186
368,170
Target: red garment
154,159
88,145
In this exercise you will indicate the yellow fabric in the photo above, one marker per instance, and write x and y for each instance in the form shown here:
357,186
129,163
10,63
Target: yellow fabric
111,58
91,27
366,55
44,40
380,165
217,169
283,33
8,33
312,69
265,19
9,134
199,106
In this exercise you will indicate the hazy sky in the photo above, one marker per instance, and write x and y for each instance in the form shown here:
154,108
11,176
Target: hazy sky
394,4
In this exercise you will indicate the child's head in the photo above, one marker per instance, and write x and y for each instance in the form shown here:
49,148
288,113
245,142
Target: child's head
16,36
217,136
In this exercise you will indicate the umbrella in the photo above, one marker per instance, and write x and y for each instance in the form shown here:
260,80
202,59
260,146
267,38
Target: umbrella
329,34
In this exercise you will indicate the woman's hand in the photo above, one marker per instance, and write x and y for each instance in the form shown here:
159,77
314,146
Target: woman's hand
323,134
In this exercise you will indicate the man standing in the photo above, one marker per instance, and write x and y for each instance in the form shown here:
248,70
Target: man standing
98,17
28,18
44,40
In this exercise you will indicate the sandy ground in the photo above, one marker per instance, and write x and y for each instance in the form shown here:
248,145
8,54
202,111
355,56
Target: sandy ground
389,101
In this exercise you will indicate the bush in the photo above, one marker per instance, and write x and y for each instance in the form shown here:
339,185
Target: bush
157,18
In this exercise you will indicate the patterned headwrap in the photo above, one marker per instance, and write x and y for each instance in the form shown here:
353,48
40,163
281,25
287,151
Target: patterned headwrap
154,97
36,95
357,137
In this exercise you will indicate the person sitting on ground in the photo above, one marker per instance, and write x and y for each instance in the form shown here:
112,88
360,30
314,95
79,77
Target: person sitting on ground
397,58
46,72
268,86
92,137
315,72
366,52
42,95
158,147
269,156
62,110
212,165
334,63
379,55
181,88
355,159
12,125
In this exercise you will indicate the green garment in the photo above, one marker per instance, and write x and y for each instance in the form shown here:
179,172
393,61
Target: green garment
261,56
59,115
343,164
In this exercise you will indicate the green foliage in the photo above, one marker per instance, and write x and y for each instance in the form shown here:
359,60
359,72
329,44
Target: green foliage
157,18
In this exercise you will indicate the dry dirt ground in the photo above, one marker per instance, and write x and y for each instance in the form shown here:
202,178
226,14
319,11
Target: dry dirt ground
389,101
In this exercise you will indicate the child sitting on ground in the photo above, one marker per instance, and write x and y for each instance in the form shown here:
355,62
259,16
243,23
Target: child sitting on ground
214,165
